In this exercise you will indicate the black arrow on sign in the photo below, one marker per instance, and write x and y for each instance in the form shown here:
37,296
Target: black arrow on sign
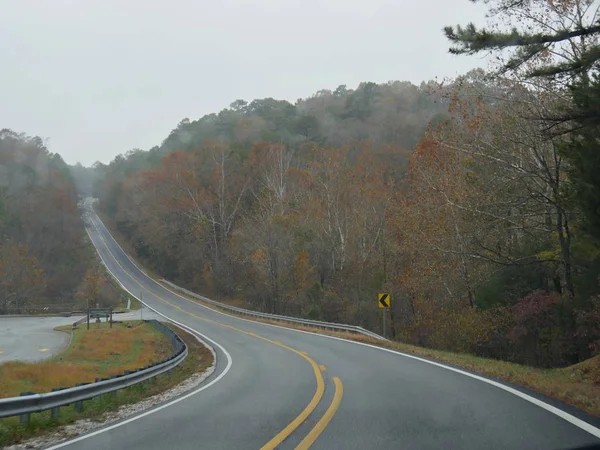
383,300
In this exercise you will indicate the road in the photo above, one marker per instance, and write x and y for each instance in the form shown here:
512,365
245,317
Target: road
272,383
32,338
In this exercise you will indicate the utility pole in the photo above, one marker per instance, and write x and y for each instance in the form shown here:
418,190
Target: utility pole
142,305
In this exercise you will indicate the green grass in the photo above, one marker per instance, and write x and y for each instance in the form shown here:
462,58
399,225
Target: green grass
199,359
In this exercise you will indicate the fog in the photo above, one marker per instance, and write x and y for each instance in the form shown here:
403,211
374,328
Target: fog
96,79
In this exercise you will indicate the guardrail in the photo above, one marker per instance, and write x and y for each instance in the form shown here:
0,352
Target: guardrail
30,402
80,321
313,323
332,326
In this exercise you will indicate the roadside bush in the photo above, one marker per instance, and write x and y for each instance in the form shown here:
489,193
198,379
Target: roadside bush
542,330
459,328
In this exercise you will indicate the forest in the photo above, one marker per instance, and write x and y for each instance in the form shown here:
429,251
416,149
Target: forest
475,201
45,261
469,229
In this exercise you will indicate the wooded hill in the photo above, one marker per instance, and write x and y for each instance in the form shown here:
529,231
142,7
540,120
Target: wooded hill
450,197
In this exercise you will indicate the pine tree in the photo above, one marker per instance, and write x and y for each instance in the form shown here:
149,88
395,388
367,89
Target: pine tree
583,153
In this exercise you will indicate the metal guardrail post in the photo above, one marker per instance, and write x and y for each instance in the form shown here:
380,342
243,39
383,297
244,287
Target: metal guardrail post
25,417
79,403
55,412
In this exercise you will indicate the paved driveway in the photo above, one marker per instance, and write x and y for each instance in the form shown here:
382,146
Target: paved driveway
32,338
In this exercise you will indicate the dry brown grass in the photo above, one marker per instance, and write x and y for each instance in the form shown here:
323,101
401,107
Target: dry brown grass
97,353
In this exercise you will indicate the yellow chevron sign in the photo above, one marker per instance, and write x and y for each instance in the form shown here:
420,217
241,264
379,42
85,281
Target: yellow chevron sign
385,300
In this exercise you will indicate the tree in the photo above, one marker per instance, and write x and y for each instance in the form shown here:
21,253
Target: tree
38,210
583,153
549,38
514,181
22,279
93,280
556,40
263,240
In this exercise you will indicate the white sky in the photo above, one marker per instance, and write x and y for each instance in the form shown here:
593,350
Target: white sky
99,77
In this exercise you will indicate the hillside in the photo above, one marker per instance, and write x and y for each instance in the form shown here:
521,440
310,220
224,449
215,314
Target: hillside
449,197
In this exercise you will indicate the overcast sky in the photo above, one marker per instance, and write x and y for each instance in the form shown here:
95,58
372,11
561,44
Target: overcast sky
99,77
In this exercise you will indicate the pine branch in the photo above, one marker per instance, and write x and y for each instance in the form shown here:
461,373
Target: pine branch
469,40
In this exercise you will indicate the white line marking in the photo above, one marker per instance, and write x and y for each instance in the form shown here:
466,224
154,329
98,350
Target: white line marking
166,405
594,431
552,409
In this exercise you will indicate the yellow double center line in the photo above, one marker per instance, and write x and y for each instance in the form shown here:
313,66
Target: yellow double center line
320,426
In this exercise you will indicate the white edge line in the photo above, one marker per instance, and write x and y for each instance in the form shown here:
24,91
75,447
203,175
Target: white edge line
552,409
166,405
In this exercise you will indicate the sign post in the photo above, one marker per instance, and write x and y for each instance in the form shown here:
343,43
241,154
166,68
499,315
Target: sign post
98,313
384,301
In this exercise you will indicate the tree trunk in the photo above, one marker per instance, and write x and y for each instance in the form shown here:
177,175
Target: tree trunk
564,238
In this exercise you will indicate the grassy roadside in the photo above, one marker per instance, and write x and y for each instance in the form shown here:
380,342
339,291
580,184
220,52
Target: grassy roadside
198,360
577,385
96,353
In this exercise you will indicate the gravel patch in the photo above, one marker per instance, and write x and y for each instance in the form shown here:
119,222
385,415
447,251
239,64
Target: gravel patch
84,426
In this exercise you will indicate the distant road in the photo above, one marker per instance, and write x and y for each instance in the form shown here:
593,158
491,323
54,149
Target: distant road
32,338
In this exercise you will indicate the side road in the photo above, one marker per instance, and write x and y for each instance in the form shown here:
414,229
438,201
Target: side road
32,338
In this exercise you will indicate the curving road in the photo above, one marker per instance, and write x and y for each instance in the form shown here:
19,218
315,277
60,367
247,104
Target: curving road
279,388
